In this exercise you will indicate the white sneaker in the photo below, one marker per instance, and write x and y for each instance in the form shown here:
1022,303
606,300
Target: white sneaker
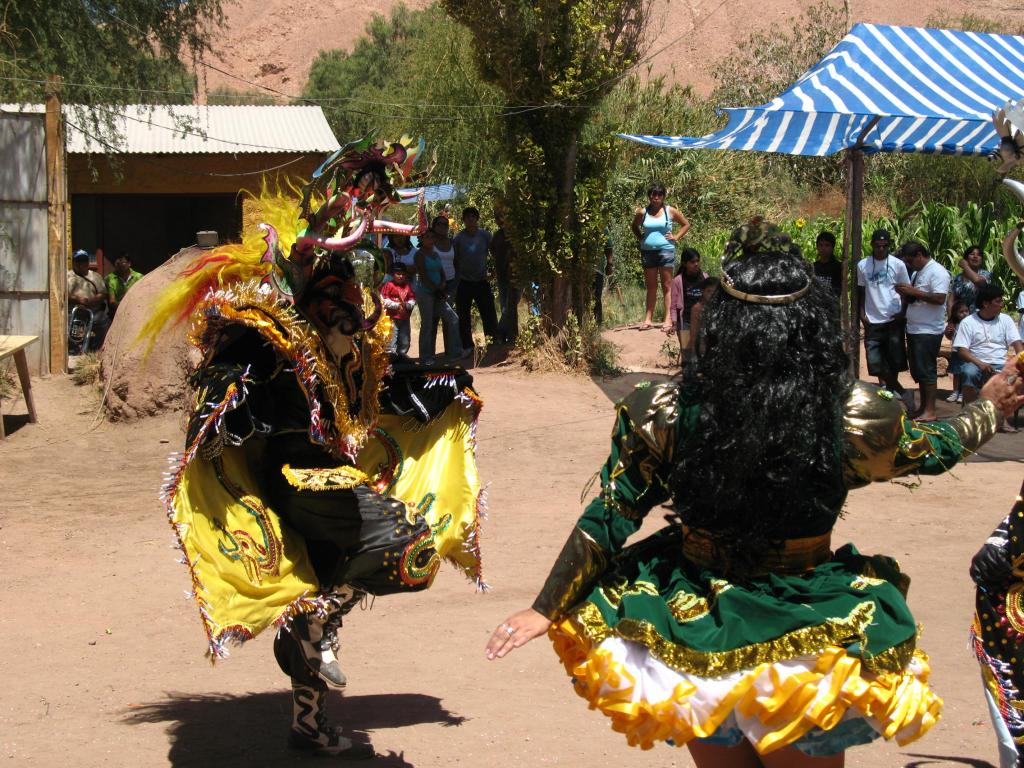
954,397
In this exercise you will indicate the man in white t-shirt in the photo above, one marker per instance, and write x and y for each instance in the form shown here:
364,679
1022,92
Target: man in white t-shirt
880,311
983,341
926,321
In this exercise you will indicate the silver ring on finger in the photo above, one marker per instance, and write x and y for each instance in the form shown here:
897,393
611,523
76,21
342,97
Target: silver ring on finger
511,630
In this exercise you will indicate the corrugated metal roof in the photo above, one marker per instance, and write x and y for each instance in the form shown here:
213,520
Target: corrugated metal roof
195,129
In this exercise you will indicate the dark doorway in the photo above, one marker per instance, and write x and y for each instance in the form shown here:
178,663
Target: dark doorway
151,228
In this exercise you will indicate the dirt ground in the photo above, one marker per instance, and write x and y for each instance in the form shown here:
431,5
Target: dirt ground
104,663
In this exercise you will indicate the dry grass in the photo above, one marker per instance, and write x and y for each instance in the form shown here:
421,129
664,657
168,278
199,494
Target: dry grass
87,370
7,384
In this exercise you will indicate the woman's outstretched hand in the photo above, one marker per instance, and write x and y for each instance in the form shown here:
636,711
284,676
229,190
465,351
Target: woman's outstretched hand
516,631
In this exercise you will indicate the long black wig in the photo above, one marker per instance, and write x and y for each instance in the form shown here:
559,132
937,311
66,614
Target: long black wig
763,463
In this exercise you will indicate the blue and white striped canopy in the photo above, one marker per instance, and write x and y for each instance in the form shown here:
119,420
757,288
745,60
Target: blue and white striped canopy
933,90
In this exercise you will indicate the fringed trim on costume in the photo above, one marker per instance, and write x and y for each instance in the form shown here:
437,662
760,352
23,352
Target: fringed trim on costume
217,637
998,678
775,703
472,401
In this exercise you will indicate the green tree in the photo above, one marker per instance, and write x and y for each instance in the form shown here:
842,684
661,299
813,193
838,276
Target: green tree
768,62
413,73
554,61
115,51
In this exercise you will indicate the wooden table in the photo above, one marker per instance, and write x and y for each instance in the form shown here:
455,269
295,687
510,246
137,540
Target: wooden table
15,345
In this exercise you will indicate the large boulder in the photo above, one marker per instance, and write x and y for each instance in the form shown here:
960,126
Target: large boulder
136,385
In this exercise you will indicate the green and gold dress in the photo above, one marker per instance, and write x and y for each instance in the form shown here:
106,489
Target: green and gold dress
818,651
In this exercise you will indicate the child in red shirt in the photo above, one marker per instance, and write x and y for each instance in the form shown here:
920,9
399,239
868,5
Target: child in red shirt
399,299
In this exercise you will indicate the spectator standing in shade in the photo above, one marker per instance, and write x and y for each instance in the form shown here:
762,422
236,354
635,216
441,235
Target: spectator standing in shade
653,226
87,289
971,277
119,281
687,289
508,292
958,313
983,340
926,322
471,247
402,251
399,300
432,299
603,269
693,349
881,308
827,269
445,250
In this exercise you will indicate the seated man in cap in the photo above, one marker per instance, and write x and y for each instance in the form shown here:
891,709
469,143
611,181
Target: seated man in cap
87,289
881,309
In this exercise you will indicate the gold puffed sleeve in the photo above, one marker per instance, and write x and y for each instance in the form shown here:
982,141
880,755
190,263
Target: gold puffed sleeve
881,442
577,568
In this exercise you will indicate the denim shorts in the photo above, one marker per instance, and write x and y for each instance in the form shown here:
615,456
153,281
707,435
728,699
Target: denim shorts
662,257
885,349
923,351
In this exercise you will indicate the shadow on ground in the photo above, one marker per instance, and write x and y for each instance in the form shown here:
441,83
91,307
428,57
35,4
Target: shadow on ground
252,729
924,760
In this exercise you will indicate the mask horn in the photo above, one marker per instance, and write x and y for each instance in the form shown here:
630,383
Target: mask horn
1010,251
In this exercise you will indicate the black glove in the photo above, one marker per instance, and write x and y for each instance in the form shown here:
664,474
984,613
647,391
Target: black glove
992,565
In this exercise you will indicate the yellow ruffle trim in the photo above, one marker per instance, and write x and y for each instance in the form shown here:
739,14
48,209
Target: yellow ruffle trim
901,705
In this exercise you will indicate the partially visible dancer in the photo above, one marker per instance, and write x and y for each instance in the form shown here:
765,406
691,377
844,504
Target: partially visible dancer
926,322
957,314
399,301
119,281
686,290
828,270
471,246
653,226
983,340
997,631
736,629
970,278
881,308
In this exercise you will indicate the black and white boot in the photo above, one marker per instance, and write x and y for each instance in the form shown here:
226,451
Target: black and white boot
318,643
317,636
311,732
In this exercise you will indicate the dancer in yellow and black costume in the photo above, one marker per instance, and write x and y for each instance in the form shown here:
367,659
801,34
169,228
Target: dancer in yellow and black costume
315,471
737,629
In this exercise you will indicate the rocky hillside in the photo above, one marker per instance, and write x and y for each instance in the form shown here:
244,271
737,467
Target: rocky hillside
273,42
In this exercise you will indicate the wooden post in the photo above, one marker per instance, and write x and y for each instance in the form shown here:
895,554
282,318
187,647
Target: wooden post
852,251
57,220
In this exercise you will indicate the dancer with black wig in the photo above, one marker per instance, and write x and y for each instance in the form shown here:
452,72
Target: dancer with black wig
736,629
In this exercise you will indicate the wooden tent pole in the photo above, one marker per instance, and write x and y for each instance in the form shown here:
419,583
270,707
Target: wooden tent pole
851,254
852,249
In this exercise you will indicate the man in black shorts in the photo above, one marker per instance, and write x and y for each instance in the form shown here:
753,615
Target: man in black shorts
881,310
